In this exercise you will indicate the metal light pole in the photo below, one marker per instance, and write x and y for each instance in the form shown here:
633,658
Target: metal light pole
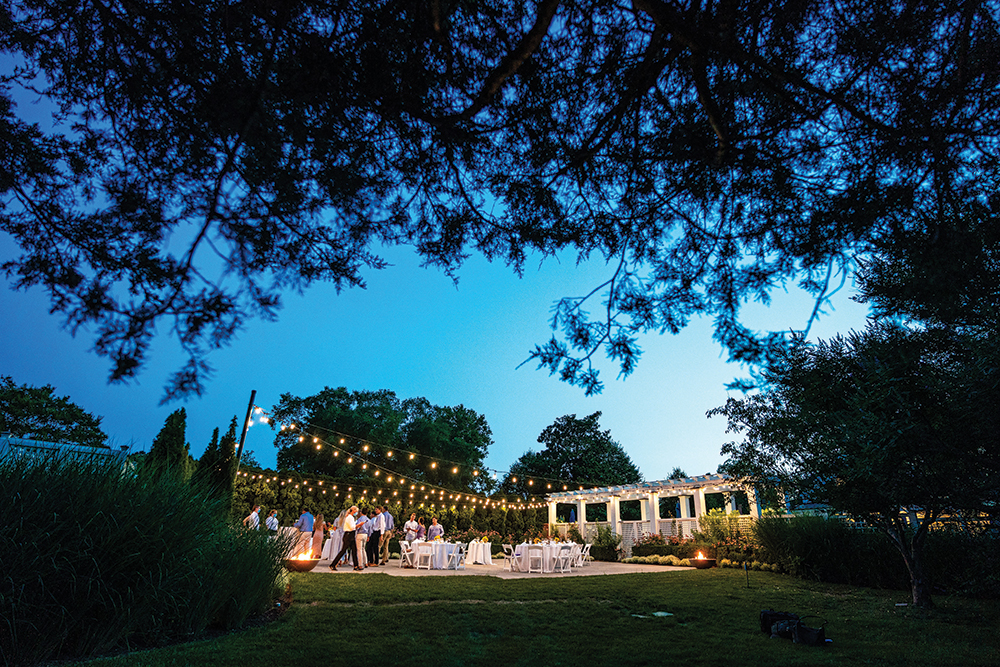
246,425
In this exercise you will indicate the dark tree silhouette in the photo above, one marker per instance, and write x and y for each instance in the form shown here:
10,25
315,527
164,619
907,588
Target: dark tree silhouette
36,412
203,158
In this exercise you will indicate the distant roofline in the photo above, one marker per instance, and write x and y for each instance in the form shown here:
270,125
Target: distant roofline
11,442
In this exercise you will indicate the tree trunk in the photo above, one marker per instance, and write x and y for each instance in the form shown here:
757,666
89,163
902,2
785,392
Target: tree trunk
912,550
919,585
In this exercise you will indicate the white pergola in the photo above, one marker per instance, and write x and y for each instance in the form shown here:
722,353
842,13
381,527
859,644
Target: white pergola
650,493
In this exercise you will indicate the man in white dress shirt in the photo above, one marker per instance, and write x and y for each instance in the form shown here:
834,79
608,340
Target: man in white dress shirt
272,522
253,519
350,545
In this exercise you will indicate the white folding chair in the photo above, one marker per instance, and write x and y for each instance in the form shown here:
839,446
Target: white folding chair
510,558
585,555
405,554
456,560
564,558
536,558
574,555
425,556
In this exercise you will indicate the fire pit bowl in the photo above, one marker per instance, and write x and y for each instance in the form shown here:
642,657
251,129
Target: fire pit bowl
702,563
300,564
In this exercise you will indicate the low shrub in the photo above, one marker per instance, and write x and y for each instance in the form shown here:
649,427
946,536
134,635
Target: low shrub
685,549
609,554
606,545
654,560
964,561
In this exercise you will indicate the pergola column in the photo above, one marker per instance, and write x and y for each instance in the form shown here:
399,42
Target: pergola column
612,506
581,517
654,512
754,505
699,503
552,515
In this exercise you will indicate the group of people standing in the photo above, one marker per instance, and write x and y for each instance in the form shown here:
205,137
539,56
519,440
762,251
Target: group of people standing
364,538
252,520
416,530
354,534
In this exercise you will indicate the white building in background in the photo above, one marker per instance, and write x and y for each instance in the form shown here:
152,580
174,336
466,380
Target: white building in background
690,493
14,446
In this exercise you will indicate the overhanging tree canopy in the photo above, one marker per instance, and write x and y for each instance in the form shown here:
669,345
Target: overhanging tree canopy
208,156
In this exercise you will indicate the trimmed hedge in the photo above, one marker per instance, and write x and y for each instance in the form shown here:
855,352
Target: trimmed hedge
816,548
609,554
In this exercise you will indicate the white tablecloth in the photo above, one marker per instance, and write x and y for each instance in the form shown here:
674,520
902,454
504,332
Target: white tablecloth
332,546
441,551
549,554
479,552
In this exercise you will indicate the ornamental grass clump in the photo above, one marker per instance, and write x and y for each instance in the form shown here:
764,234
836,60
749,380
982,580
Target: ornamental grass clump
99,557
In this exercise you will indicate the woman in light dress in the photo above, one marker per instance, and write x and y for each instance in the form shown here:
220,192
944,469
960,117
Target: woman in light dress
336,535
319,531
436,529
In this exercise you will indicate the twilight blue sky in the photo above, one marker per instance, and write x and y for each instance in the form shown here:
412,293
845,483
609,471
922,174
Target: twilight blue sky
414,332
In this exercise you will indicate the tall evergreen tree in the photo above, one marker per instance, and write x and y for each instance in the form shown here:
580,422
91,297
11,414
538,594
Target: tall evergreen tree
170,450
224,471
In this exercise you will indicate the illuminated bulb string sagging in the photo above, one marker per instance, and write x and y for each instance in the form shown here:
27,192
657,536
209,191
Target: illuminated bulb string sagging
430,493
543,483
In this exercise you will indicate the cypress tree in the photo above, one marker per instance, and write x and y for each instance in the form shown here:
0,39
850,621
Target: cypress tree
169,451
223,473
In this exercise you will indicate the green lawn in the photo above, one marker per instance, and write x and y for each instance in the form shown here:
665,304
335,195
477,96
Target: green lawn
437,621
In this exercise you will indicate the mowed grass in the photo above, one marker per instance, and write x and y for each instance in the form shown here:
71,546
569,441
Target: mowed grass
438,621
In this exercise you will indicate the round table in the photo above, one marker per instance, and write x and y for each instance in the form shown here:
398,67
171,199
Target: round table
479,553
550,552
440,551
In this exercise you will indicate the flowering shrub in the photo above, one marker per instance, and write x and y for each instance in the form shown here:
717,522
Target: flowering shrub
650,538
727,536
